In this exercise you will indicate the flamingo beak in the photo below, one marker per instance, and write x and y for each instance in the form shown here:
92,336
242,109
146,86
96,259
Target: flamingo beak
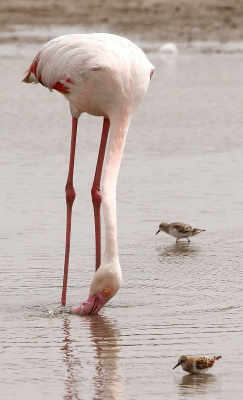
157,232
92,305
177,365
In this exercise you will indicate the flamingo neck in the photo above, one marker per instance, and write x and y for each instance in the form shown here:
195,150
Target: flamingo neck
118,132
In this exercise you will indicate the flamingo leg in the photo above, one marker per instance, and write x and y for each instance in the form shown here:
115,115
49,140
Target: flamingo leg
96,192
70,196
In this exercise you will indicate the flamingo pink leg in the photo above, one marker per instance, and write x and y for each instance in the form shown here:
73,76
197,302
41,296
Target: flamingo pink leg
70,196
96,193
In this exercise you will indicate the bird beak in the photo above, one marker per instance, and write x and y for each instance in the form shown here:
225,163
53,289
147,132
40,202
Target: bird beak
177,365
157,232
92,305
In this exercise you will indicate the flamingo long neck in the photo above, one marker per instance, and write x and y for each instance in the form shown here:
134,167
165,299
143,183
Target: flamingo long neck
118,131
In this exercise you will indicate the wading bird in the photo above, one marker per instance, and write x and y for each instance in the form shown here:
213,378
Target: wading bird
179,230
103,75
196,365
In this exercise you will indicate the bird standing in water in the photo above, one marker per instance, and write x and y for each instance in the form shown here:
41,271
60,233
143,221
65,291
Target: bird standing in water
103,75
179,230
196,365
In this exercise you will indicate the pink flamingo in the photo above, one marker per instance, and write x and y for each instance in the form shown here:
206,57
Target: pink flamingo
103,75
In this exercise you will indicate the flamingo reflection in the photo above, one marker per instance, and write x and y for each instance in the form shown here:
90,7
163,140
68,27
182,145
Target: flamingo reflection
104,349
73,363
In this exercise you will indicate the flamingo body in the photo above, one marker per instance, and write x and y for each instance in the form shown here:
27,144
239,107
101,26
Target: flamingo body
96,72
103,75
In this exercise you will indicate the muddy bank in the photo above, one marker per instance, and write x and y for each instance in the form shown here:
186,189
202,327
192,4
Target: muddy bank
161,20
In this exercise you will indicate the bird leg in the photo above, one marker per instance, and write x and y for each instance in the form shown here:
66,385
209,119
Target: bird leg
70,196
96,192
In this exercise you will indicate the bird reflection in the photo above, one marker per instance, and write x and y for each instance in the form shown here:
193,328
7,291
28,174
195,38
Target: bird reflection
177,248
191,384
105,336
104,340
71,362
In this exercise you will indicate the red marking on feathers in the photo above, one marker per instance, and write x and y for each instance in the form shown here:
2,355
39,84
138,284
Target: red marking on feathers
60,87
33,67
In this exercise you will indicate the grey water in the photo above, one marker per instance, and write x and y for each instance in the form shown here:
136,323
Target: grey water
182,162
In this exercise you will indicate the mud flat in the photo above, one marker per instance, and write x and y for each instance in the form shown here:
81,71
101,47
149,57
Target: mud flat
162,20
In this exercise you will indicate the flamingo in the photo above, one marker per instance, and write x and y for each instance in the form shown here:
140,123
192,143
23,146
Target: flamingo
103,75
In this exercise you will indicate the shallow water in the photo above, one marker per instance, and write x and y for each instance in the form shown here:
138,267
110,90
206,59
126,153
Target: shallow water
184,149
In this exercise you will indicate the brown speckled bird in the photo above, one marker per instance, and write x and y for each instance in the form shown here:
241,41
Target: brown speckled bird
196,365
179,230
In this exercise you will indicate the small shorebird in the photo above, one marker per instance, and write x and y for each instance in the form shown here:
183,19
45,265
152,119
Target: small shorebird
179,230
196,365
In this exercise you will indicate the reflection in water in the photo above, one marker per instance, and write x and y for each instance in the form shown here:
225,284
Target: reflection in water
71,362
195,384
175,299
105,337
177,248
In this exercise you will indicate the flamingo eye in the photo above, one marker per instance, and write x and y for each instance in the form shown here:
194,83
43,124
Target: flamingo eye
106,291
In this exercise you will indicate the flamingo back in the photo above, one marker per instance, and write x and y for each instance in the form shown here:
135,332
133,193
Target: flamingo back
97,73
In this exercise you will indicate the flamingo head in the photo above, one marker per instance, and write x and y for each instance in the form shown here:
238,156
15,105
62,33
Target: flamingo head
94,303
104,286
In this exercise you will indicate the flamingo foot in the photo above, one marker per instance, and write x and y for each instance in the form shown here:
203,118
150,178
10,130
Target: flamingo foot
92,305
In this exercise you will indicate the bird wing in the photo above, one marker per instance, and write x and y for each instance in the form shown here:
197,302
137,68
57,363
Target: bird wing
61,62
203,362
183,228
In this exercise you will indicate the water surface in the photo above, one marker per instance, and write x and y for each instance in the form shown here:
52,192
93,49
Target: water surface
182,162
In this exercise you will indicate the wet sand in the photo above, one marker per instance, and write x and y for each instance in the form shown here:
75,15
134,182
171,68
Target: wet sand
160,20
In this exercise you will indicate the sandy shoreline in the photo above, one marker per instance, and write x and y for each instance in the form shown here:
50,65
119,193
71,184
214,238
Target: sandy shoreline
154,20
